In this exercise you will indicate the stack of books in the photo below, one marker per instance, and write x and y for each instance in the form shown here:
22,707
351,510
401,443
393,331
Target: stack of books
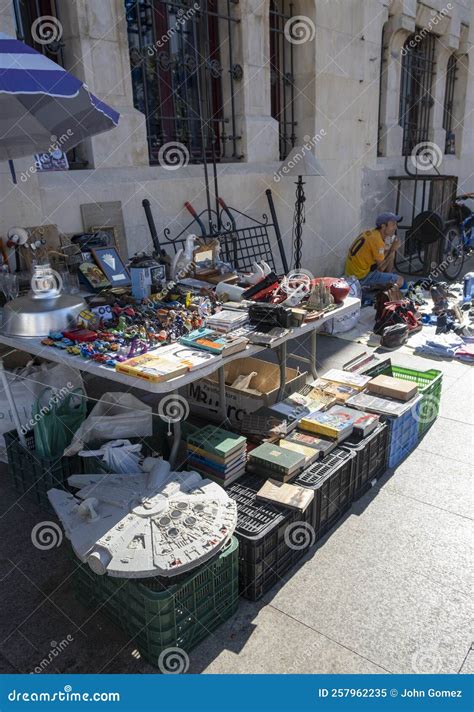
322,446
227,320
337,426
217,454
214,341
270,460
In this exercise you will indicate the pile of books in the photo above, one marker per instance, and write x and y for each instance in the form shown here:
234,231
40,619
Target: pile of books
217,454
339,422
227,320
214,341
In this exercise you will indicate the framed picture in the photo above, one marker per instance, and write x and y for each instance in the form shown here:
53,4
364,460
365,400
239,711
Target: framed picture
112,266
110,230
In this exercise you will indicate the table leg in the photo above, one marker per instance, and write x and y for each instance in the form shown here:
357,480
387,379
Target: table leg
314,367
176,423
225,422
283,356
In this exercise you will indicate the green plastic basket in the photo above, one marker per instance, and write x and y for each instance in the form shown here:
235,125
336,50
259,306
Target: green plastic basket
429,387
157,616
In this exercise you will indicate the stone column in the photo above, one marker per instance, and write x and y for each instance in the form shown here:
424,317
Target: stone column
259,129
7,19
96,51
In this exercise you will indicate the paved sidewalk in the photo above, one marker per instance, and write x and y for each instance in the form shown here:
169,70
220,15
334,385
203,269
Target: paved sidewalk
388,590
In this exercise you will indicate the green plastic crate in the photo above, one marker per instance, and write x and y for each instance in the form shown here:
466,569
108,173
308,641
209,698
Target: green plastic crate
157,616
31,475
429,387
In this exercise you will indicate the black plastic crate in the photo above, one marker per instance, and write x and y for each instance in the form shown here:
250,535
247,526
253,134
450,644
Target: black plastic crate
332,481
271,538
371,457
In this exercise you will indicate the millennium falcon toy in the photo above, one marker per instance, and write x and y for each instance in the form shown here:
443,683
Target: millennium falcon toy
156,523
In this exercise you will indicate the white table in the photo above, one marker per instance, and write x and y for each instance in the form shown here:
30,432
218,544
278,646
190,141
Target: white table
36,348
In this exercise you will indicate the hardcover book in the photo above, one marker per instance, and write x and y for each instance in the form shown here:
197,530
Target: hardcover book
322,445
286,495
272,457
309,453
339,391
355,380
217,441
152,367
364,423
338,426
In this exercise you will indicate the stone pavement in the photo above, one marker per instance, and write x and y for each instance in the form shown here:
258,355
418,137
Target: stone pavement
387,590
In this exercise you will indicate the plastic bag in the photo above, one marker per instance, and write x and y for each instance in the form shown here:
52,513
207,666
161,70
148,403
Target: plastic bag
119,456
57,419
114,416
346,322
26,384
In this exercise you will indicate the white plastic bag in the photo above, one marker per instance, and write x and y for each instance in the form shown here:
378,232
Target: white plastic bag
114,416
346,322
26,384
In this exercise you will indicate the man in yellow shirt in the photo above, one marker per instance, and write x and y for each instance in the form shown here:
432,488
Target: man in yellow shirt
372,254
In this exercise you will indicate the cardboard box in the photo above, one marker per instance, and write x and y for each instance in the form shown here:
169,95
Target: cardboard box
392,387
203,395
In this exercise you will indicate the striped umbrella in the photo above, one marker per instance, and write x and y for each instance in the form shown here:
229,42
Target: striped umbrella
42,106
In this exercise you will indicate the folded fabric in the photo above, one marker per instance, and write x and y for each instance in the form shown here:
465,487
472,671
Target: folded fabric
444,345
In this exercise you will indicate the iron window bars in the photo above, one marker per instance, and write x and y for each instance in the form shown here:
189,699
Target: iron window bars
184,76
282,89
418,66
448,119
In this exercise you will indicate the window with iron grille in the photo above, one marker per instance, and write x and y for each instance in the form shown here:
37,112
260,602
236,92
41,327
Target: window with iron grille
185,76
38,25
282,74
35,27
416,101
448,117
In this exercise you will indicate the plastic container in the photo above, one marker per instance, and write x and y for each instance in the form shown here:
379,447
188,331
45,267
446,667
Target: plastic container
332,481
157,616
371,458
33,475
429,387
271,538
403,436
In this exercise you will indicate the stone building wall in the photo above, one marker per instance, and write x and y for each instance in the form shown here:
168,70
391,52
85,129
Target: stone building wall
338,88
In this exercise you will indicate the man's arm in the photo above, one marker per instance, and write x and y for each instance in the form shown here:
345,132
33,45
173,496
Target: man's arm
386,263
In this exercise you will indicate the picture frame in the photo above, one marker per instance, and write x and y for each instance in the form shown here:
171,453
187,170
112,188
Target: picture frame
112,265
110,230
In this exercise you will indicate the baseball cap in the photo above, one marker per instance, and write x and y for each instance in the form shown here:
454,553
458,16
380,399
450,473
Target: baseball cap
386,217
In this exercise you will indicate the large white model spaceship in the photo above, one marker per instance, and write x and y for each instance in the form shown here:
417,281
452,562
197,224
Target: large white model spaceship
158,523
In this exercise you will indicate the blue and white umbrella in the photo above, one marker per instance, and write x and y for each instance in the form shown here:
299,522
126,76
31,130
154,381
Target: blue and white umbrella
42,105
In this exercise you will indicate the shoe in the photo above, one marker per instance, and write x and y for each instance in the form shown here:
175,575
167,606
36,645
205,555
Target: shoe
394,336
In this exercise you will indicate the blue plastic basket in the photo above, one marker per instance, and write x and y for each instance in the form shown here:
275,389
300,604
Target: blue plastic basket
403,437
